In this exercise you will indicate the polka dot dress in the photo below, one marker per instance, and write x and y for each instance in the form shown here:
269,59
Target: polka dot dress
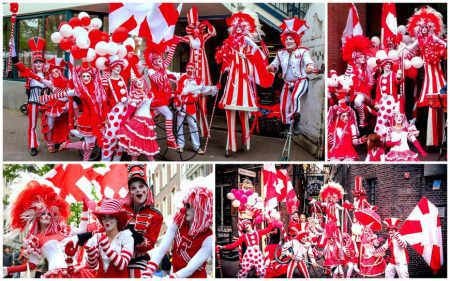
110,141
387,103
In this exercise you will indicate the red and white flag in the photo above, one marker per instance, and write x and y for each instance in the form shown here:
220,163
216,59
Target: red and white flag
422,230
388,23
153,21
353,26
257,57
273,187
73,181
112,181
291,199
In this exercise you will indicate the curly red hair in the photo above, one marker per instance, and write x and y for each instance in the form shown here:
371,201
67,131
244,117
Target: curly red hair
297,38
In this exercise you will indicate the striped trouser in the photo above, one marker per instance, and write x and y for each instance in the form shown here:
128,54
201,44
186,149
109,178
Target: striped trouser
202,115
33,112
290,98
135,272
231,124
301,265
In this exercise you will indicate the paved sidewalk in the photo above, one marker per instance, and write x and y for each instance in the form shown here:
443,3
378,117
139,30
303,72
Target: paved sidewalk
15,126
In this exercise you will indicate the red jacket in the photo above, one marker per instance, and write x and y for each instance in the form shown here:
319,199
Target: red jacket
186,99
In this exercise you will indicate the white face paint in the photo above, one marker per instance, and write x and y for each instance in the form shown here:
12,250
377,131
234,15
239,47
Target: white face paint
38,65
361,59
290,43
387,67
109,222
158,61
139,192
344,117
86,77
44,218
117,69
55,73
139,83
190,70
398,118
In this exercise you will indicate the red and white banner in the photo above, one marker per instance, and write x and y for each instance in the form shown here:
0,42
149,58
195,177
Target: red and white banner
273,187
73,181
388,23
291,199
153,21
353,26
422,230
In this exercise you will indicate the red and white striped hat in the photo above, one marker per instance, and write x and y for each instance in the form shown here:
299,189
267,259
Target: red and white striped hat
37,46
112,207
295,25
392,223
192,19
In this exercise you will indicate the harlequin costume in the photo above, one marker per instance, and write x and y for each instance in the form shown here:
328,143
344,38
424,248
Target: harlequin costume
186,96
116,93
192,240
371,264
351,254
333,255
253,256
294,64
43,241
110,258
90,122
55,120
160,79
137,132
433,50
145,220
34,86
302,253
355,48
342,135
240,56
197,35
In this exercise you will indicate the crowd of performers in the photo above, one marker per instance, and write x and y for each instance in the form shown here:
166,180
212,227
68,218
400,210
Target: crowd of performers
120,96
323,241
373,88
113,239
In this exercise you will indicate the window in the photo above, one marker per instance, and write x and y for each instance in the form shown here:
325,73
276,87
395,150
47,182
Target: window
370,185
172,205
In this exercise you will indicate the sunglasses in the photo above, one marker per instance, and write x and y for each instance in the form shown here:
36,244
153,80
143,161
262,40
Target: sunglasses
187,205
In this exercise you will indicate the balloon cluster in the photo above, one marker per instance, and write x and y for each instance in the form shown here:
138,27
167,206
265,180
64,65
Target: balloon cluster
82,37
249,202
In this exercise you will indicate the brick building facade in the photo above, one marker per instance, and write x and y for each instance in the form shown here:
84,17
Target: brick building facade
396,190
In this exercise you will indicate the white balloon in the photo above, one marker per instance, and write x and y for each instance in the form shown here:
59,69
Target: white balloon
417,62
381,54
251,200
372,62
129,41
83,42
79,31
393,54
259,205
101,48
113,48
231,196
56,37
406,39
66,30
96,23
407,63
82,15
375,41
401,29
91,55
100,63
122,51
236,203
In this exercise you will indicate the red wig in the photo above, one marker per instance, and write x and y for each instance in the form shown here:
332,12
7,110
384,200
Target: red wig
354,45
294,35
425,15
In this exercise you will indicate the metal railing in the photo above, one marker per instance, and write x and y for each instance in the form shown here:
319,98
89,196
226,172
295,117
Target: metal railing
289,10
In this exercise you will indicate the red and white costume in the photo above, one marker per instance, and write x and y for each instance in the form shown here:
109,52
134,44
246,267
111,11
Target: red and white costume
197,35
145,220
187,95
253,256
371,264
110,257
116,91
302,253
355,52
240,57
293,65
137,132
334,257
426,26
34,201
192,240
399,259
342,135
351,254
90,122
34,86
376,155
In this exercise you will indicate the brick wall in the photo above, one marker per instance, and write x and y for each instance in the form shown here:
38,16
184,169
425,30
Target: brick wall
396,196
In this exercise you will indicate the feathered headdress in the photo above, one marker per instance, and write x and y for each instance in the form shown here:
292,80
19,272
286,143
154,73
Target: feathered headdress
425,16
355,46
154,50
34,200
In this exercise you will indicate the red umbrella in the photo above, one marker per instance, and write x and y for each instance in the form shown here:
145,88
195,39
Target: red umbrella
368,216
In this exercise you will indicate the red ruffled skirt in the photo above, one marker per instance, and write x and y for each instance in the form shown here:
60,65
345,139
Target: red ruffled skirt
138,136
373,266
407,155
56,108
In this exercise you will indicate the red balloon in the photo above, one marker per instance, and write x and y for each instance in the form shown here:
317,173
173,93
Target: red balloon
78,53
65,44
132,58
74,22
14,8
120,34
85,21
129,48
104,37
95,36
